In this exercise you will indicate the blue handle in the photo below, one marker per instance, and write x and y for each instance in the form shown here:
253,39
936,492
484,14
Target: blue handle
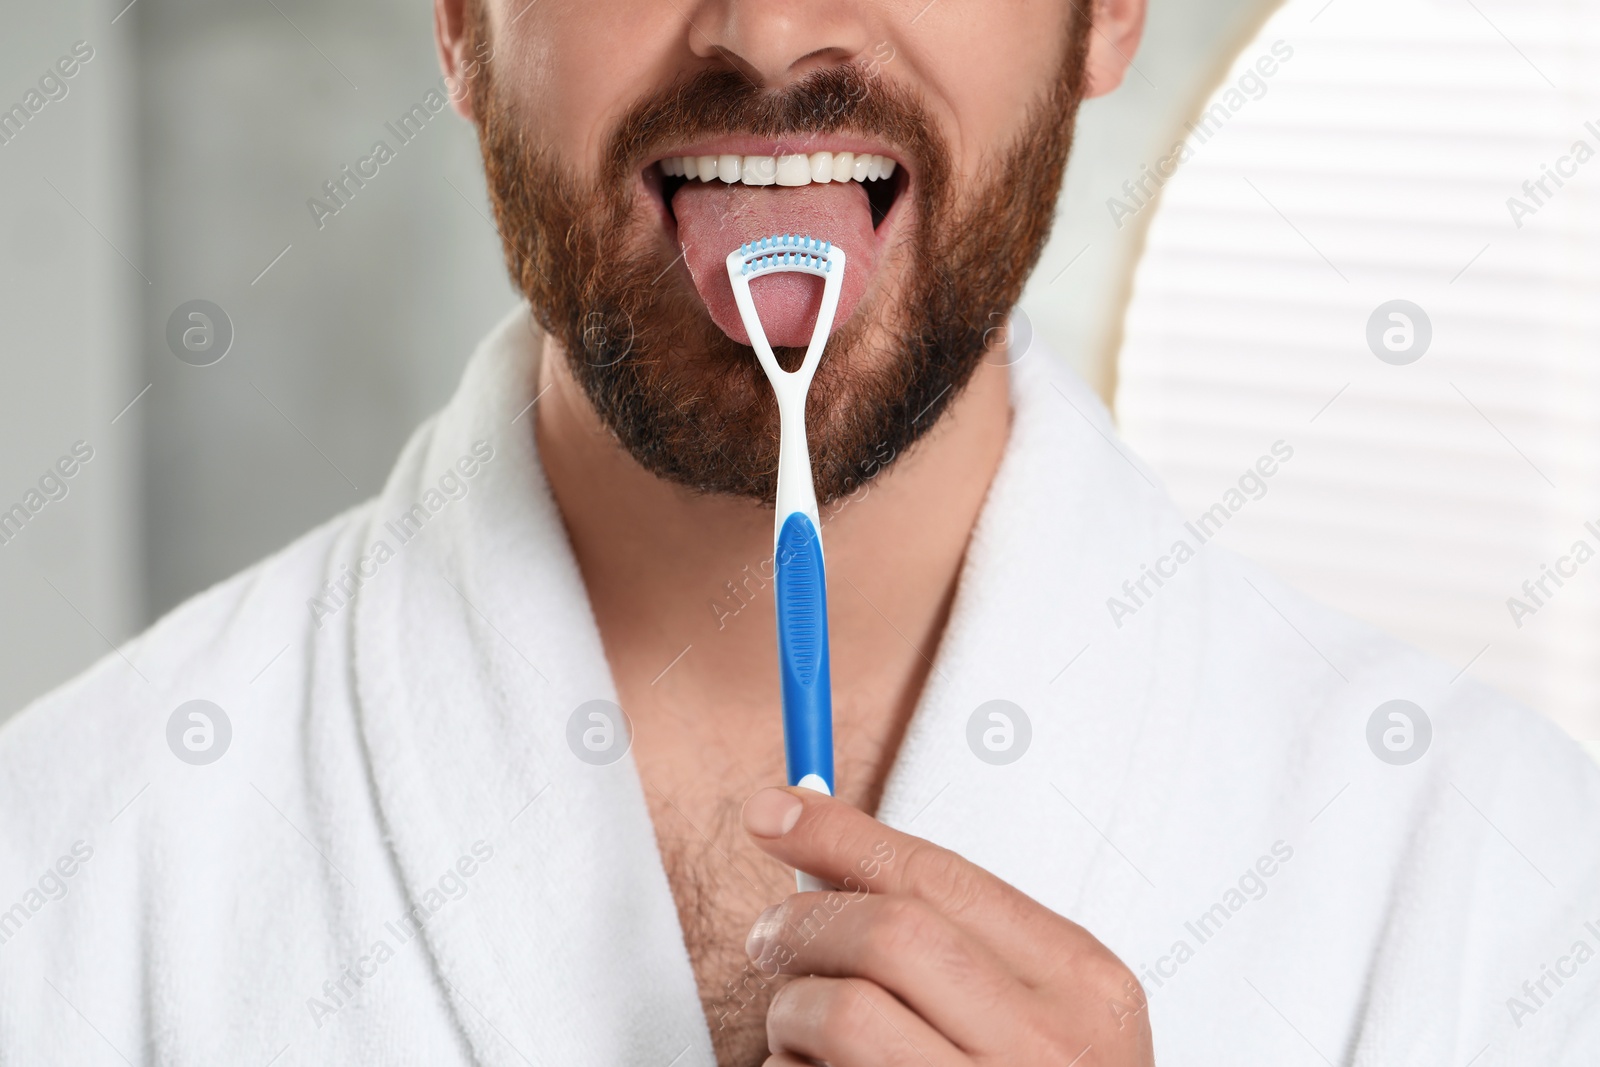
802,595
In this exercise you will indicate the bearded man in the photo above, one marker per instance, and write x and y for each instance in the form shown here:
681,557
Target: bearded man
505,790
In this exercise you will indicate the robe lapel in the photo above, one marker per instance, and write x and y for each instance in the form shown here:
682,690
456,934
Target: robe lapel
475,644
1068,518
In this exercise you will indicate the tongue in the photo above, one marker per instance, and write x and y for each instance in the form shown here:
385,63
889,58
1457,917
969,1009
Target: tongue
715,218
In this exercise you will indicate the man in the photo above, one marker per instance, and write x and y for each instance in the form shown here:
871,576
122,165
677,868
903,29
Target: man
377,800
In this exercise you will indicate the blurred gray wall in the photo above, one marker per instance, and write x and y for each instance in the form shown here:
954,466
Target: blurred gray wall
70,287
188,148
359,331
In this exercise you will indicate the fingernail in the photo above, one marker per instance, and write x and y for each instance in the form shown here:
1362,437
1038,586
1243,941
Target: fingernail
763,933
772,813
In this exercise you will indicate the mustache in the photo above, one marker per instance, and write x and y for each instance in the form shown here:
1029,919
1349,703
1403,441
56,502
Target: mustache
840,99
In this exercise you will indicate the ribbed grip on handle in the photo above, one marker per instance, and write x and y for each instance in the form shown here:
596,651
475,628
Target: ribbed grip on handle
802,595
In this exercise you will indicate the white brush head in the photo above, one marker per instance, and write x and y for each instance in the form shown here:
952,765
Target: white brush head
773,255
779,254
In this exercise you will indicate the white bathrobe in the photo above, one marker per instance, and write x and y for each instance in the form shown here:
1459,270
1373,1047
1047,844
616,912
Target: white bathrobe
398,859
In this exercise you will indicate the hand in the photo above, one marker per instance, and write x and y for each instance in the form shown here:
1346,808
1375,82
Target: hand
922,959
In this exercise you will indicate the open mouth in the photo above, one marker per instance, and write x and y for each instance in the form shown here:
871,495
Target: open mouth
717,197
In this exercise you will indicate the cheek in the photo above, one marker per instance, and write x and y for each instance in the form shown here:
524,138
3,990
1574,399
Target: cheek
982,65
575,68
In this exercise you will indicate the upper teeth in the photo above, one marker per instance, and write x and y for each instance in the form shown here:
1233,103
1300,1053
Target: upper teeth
781,170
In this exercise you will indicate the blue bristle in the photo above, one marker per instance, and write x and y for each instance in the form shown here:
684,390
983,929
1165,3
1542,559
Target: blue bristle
796,250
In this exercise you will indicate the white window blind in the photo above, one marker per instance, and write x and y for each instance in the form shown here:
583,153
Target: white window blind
1385,160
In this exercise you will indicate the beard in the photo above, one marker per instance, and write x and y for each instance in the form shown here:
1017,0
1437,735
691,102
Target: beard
687,402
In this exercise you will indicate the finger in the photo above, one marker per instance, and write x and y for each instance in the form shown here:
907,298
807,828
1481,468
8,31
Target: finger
851,1022
826,837
900,943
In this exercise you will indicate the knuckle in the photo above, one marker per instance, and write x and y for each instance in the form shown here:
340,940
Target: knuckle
1113,974
956,880
902,925
1103,974
846,1014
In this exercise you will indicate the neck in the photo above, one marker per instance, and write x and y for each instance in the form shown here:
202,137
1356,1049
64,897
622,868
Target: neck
681,585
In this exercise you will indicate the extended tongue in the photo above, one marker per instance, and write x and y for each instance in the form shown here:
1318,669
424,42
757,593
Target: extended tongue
715,218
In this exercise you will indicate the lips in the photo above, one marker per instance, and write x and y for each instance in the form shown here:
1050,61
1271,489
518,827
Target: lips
716,214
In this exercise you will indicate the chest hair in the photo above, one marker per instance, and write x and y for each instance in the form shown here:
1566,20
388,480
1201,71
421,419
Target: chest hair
720,883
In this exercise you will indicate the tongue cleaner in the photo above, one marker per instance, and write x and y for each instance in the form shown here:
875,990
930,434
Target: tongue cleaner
801,579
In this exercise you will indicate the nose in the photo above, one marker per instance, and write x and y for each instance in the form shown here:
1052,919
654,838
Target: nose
778,42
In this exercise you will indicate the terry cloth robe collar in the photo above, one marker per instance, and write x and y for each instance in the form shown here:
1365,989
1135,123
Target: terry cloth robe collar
478,645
